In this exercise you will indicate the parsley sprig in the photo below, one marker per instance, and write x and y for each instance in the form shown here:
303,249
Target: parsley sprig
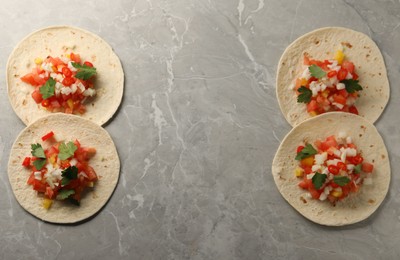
69,174
318,180
307,151
47,90
316,71
305,95
341,180
84,71
351,85
66,150
38,152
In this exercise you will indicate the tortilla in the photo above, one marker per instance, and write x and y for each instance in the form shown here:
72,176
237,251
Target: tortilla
66,128
322,44
54,41
358,206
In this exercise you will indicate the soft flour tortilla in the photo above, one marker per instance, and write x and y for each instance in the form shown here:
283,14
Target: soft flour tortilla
66,128
356,207
322,44
54,41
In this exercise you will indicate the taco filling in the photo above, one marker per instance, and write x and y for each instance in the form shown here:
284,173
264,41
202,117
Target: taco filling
60,172
329,85
332,169
62,84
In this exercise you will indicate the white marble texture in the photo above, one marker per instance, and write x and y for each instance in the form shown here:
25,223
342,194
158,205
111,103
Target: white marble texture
197,131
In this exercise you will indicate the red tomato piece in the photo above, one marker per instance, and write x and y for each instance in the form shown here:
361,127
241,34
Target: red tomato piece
332,73
47,136
49,192
339,99
367,167
356,159
67,72
92,176
89,64
31,179
348,65
45,103
39,186
342,166
37,96
353,110
333,169
68,81
299,148
27,162
312,106
342,73
75,57
314,193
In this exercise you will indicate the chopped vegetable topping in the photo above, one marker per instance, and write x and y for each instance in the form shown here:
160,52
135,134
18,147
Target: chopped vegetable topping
333,169
62,84
60,172
329,85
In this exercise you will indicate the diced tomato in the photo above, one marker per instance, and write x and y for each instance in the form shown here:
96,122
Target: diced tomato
348,65
333,185
353,186
31,179
306,60
299,148
367,167
342,166
343,93
89,64
39,186
356,159
75,57
26,162
65,164
339,99
353,110
37,96
355,75
342,73
314,193
68,81
45,102
92,176
332,73
49,192
312,106
33,79
307,169
55,104
47,136
304,184
55,61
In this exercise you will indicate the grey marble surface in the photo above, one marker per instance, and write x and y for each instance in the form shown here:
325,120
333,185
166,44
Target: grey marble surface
197,131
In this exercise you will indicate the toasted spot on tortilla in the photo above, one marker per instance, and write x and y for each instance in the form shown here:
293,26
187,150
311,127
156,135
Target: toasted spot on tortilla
303,199
347,44
24,102
383,156
371,201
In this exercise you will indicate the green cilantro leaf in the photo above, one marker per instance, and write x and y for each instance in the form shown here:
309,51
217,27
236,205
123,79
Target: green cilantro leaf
357,168
351,85
316,71
64,194
84,72
39,163
341,180
305,95
69,174
66,150
318,180
37,151
47,90
307,151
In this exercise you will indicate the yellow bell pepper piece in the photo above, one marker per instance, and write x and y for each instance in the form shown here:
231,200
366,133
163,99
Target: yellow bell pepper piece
309,161
47,203
70,103
38,61
337,194
299,172
339,56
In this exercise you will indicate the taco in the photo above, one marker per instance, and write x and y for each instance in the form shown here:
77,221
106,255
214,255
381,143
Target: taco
63,168
347,177
64,69
332,69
